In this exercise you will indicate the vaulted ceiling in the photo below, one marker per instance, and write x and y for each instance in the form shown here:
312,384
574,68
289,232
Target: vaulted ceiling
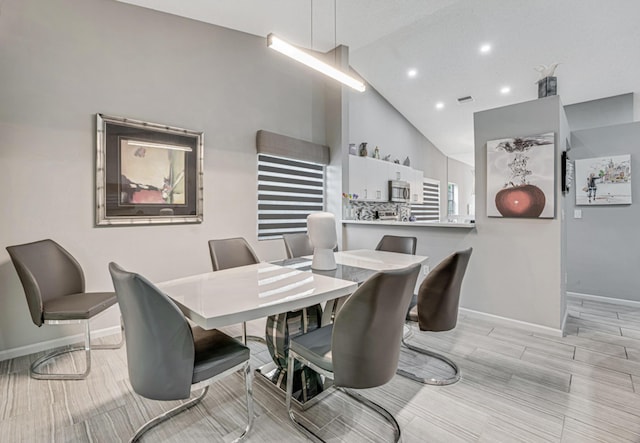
596,43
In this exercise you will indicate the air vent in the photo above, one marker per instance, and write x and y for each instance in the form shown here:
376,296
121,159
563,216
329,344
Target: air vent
466,99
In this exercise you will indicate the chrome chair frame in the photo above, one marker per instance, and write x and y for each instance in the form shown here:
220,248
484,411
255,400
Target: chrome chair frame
445,280
34,369
359,398
204,385
429,381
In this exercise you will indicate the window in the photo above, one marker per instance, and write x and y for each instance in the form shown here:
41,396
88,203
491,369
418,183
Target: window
452,199
429,209
288,191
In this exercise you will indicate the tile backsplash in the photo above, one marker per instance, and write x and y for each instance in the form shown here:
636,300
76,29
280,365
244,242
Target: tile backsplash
356,210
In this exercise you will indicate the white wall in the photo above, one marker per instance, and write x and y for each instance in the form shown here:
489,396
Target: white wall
63,61
462,175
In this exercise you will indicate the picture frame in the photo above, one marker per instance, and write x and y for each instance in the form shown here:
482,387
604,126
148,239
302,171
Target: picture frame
602,181
147,173
521,177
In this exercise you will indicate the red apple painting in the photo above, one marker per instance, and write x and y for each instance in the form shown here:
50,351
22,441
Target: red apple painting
520,177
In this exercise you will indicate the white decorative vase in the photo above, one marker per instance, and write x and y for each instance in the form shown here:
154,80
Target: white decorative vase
321,227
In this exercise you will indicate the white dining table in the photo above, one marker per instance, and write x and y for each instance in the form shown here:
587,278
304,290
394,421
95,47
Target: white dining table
236,295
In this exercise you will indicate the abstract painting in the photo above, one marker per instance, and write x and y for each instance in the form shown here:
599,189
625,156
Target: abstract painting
604,180
520,177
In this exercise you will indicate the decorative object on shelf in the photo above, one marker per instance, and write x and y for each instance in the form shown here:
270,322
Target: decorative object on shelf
604,180
397,161
376,153
387,157
352,149
406,162
547,83
362,150
147,173
350,197
322,233
348,209
528,190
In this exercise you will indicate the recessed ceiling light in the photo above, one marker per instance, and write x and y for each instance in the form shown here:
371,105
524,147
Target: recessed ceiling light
439,105
505,90
412,73
485,48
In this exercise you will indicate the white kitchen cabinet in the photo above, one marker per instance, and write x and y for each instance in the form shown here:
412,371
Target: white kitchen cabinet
417,177
368,179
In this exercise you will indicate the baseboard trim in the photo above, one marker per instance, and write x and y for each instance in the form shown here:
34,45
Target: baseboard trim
511,323
55,343
602,299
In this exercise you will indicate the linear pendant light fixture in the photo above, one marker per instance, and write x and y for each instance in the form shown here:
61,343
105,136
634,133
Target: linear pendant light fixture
299,55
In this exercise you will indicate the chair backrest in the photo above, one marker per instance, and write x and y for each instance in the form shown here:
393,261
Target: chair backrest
230,253
297,245
160,349
395,243
367,331
439,293
47,271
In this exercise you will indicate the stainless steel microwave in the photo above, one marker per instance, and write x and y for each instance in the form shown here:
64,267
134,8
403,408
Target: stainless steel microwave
399,191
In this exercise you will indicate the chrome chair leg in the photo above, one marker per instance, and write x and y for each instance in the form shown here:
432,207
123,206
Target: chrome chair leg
377,408
114,345
359,398
248,382
87,347
248,377
244,337
167,415
299,426
431,381
35,372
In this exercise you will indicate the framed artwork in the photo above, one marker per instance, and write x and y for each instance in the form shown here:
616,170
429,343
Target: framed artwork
147,173
604,180
521,176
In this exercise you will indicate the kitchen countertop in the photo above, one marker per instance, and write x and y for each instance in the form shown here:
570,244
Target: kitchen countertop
438,224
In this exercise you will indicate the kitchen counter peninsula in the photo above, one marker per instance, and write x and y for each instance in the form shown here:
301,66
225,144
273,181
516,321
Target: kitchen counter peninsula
417,224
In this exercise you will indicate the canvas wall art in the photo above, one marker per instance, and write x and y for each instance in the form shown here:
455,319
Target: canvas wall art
603,180
520,177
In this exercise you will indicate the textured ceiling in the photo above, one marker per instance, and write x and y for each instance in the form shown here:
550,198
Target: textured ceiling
596,43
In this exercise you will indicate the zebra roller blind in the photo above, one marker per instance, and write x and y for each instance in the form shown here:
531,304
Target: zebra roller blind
429,210
288,191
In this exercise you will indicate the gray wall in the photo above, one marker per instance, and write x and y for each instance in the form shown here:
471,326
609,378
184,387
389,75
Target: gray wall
374,120
63,61
516,267
602,112
603,245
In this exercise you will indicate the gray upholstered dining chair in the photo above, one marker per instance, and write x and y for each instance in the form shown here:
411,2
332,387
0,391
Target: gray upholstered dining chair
361,348
297,245
168,359
54,286
437,310
229,253
402,245
396,243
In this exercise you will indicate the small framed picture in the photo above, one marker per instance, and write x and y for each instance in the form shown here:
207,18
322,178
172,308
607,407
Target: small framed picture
353,150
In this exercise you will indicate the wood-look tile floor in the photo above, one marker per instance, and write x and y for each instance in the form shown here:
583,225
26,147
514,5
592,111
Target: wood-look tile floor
515,387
